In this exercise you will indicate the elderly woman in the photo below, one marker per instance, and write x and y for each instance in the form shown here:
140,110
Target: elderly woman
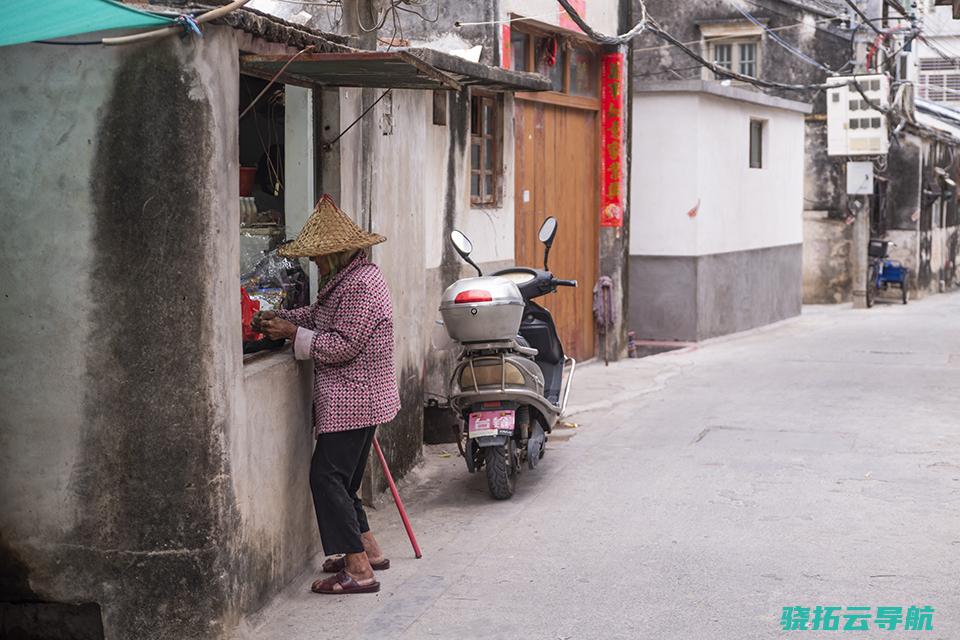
348,333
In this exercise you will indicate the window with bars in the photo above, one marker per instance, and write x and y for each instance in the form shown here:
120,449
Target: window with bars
486,120
940,79
741,56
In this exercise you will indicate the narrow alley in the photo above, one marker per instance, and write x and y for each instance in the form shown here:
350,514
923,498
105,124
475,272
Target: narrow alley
815,462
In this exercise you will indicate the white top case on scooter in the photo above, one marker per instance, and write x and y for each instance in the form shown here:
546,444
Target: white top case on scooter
498,319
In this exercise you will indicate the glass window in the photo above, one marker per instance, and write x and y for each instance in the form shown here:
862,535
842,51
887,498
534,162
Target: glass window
583,72
518,51
741,56
485,167
550,61
723,56
756,144
748,59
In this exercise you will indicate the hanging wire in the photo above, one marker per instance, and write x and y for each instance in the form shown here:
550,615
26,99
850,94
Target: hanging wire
863,16
418,14
330,144
309,47
655,28
596,36
506,21
721,38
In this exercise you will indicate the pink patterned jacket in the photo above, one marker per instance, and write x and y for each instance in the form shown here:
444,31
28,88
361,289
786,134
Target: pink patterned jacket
348,332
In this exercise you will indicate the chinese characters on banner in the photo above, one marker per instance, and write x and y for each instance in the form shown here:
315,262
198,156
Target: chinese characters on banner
611,124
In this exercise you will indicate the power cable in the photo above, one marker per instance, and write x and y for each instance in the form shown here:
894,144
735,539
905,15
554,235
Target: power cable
722,38
863,16
596,36
783,43
793,17
330,144
274,79
654,27
459,24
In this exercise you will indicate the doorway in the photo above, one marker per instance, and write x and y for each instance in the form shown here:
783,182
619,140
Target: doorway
557,175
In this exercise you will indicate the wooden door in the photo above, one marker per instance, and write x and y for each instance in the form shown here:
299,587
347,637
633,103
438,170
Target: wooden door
557,151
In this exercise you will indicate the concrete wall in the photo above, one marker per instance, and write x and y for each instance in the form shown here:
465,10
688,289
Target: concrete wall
827,247
143,467
119,394
716,246
692,298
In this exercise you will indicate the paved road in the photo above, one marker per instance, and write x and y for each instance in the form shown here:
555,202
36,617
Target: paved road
812,463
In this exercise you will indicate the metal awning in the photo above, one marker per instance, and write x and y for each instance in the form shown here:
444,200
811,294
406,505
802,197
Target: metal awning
403,69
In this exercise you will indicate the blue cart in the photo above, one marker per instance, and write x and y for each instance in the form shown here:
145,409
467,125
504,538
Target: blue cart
882,272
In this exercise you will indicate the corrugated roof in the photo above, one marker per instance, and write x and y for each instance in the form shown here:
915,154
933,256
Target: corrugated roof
403,69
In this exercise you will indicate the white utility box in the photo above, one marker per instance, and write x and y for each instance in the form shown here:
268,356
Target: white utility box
854,127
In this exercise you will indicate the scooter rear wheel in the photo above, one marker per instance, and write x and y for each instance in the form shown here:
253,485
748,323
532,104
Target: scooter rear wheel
501,473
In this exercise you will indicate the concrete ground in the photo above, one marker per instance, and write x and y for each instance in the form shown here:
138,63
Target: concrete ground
815,462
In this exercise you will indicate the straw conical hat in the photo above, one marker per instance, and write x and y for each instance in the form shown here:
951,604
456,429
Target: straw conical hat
328,230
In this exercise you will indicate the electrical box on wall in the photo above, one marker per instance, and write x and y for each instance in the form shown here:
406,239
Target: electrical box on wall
860,178
854,127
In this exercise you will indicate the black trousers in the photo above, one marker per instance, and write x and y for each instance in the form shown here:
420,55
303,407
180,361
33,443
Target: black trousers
336,471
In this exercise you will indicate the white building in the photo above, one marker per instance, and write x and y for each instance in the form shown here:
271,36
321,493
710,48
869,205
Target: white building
716,230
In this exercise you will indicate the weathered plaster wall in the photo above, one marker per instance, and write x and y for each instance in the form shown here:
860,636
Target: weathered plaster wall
398,201
656,62
143,467
271,444
114,461
827,244
903,169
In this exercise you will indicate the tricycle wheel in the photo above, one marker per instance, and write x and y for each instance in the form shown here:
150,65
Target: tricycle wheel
903,290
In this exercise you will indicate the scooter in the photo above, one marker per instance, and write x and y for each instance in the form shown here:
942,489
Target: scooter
512,378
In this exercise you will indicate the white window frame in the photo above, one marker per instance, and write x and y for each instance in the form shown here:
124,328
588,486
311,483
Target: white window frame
732,35
736,55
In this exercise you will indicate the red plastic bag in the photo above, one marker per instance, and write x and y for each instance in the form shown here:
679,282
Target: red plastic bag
247,308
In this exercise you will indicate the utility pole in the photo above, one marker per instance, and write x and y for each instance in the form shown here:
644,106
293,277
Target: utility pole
858,249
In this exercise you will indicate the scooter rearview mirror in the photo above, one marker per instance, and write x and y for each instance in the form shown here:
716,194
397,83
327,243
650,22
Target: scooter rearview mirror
461,243
548,230
464,247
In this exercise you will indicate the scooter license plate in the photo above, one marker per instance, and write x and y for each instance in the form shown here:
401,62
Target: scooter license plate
490,423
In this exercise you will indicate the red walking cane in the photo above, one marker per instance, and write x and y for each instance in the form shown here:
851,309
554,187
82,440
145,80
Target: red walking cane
396,498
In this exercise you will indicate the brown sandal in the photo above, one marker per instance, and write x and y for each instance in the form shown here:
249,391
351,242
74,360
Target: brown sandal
346,583
336,565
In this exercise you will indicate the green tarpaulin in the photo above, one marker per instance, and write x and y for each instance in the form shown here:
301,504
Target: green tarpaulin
30,20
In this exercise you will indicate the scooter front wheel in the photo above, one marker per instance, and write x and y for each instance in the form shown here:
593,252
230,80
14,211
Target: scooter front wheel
501,472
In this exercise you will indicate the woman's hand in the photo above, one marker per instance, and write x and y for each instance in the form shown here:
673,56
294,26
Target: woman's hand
259,317
278,328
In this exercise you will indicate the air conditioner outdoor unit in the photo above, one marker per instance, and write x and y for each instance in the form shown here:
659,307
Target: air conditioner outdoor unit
854,127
